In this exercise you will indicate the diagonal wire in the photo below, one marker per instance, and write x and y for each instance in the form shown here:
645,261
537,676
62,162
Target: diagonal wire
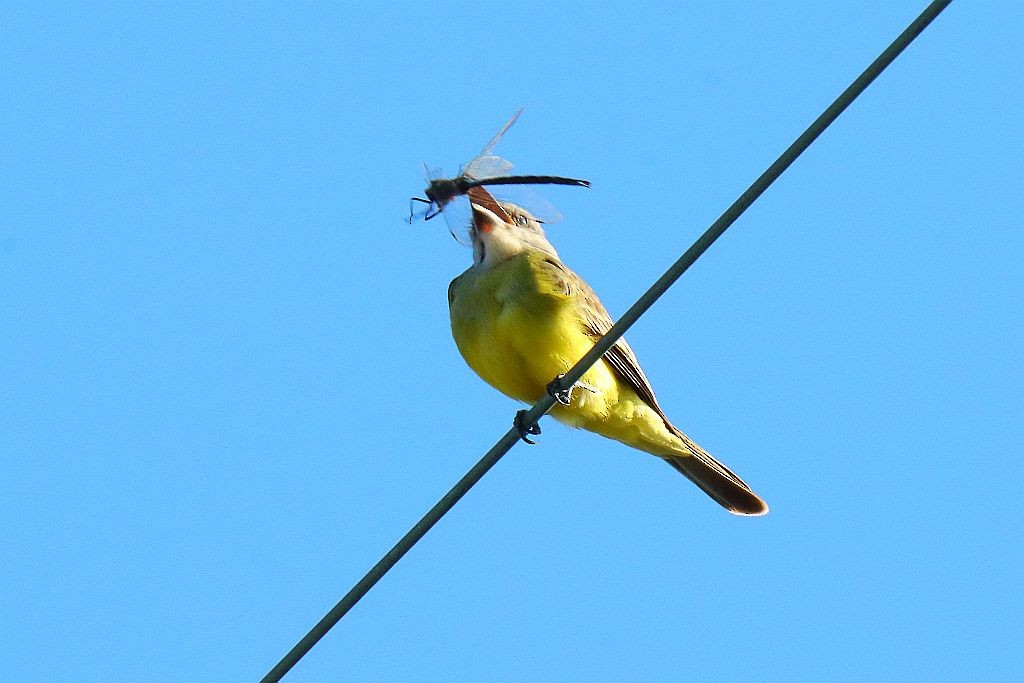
530,417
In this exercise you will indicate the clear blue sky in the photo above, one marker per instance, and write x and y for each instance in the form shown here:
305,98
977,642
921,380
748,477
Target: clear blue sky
228,383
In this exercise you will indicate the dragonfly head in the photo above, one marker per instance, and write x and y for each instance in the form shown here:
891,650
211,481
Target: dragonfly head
441,191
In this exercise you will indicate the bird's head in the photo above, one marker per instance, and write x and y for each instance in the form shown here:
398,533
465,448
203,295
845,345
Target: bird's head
502,230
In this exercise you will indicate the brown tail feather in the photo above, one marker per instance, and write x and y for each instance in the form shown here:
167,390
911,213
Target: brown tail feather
717,480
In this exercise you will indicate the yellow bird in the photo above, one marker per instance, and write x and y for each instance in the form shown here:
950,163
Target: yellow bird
520,318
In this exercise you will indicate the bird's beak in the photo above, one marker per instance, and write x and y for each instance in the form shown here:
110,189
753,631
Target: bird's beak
487,213
484,220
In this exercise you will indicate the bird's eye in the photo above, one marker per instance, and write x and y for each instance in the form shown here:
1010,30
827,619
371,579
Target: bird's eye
521,219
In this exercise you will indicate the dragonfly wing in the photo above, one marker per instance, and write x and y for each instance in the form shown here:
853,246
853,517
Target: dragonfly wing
488,166
528,198
497,136
459,217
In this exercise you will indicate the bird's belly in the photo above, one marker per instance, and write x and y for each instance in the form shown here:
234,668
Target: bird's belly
519,344
600,403
515,346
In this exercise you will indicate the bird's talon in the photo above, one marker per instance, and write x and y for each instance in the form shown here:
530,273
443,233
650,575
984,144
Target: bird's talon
563,396
533,429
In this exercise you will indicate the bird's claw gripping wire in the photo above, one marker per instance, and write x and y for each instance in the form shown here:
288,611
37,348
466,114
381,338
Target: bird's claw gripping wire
564,395
559,393
523,430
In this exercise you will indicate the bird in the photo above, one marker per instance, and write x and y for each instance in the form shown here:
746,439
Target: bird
521,318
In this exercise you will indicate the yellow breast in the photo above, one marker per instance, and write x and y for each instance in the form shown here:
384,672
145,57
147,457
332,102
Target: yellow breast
514,329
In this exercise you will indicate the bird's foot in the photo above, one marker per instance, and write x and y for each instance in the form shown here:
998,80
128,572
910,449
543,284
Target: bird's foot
523,430
564,396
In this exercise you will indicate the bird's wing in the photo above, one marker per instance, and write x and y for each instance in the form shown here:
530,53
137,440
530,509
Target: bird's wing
597,322
451,289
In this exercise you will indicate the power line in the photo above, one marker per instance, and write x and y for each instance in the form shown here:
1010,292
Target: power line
530,417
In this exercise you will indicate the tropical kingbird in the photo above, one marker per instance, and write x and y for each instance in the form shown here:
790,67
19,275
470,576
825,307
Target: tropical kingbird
521,318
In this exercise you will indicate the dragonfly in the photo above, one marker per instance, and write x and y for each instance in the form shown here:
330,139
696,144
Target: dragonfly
482,170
